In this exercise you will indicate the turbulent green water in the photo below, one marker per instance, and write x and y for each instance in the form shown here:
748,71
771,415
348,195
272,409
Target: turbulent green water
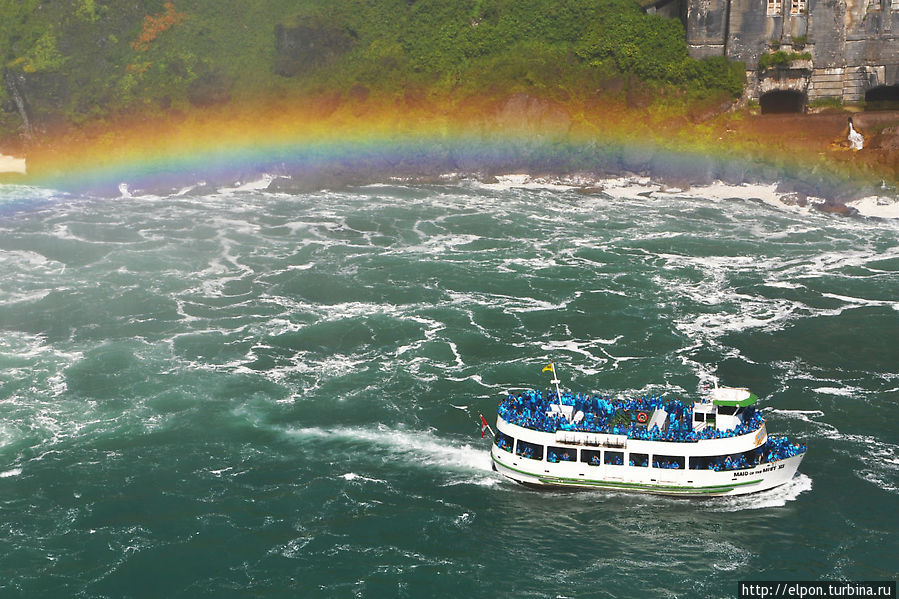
235,393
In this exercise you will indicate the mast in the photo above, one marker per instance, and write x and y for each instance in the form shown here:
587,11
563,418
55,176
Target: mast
555,381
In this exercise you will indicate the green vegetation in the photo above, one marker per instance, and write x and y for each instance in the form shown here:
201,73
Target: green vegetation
781,58
654,49
43,55
835,103
83,60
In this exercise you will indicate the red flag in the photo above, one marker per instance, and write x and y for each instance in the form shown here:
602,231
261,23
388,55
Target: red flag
484,426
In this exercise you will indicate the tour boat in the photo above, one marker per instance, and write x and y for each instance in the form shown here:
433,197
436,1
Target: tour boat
717,445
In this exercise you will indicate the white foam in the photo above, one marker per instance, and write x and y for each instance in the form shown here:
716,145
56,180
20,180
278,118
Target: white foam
28,193
30,262
440,244
807,416
877,206
13,472
575,347
862,301
464,519
529,265
725,191
879,459
783,285
635,188
632,188
292,549
878,480
426,447
522,181
456,355
256,185
353,476
475,378
509,303
708,281
841,391
643,187
800,414
11,164
776,497
187,189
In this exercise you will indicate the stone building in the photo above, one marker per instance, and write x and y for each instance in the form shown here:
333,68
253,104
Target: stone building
846,50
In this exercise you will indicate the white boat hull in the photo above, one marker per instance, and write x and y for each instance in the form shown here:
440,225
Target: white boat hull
683,483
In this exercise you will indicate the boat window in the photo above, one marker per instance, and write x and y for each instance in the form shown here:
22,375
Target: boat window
504,441
736,461
531,451
668,462
592,457
560,454
639,459
699,416
727,410
615,458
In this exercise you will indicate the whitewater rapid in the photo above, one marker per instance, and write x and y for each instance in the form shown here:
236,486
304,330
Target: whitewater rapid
299,376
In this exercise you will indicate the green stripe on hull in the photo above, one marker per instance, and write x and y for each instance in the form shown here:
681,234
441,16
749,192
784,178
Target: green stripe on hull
649,488
559,480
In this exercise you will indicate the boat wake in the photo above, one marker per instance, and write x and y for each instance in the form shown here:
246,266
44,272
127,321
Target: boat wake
393,445
776,497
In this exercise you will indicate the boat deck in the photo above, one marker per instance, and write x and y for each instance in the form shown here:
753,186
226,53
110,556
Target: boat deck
535,411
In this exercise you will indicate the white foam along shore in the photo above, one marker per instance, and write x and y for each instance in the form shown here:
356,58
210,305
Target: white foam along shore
11,164
640,186
877,206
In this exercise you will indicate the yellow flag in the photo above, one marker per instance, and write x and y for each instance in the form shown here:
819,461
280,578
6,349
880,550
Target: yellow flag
548,367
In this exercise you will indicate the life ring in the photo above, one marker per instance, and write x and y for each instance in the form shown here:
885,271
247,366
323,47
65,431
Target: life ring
642,417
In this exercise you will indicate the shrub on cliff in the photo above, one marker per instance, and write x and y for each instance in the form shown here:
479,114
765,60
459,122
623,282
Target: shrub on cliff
717,73
654,48
148,55
648,46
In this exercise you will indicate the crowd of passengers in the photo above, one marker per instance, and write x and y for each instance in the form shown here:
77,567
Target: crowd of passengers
529,410
777,448
527,452
562,457
667,464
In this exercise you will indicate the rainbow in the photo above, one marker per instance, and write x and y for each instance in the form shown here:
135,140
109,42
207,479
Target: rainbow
321,142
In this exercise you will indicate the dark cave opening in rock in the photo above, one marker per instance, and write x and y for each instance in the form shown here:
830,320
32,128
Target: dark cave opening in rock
782,101
883,97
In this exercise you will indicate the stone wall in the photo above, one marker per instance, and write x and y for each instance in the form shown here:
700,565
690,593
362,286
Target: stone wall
854,44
